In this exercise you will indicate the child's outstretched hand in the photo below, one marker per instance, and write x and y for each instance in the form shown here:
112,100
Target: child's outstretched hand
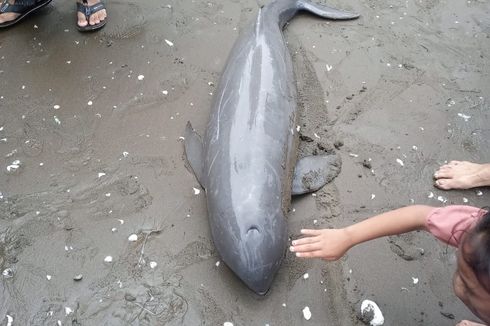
328,244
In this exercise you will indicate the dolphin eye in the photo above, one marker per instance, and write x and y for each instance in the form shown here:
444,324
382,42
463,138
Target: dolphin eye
253,230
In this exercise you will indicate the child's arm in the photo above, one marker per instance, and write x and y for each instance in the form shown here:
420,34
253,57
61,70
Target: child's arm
331,244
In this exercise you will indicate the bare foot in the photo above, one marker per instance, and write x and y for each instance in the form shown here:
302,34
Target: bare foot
8,16
94,19
468,323
462,175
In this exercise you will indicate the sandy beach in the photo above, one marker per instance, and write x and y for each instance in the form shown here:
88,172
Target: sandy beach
103,223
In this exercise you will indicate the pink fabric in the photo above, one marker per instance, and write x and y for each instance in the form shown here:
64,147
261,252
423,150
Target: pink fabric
450,223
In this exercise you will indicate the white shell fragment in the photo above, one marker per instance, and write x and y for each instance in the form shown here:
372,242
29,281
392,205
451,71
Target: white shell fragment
479,193
431,195
48,277
14,166
56,107
108,259
442,199
415,280
90,103
68,310
329,67
10,320
196,191
217,263
227,323
400,162
101,174
78,277
464,116
141,77
306,276
306,313
169,43
8,273
133,237
370,308
153,264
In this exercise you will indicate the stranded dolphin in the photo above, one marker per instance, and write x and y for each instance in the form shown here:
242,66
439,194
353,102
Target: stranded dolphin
246,161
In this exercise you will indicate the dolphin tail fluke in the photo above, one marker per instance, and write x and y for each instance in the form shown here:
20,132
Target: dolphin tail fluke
326,12
194,151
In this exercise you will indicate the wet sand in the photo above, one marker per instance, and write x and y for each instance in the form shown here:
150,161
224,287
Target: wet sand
95,122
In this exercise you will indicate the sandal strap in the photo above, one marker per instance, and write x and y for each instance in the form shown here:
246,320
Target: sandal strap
89,10
20,6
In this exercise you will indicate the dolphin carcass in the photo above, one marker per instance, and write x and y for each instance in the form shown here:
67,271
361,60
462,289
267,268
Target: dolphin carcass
247,160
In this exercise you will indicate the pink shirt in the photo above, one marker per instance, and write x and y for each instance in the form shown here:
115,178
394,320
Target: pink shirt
449,223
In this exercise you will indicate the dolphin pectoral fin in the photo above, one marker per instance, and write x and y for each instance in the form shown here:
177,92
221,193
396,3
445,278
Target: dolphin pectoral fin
313,172
194,151
326,12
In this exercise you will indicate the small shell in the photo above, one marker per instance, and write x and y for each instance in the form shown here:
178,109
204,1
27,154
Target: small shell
133,237
78,277
306,313
370,308
8,273
108,259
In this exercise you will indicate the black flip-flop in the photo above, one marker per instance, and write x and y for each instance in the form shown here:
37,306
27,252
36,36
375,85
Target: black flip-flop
20,8
87,11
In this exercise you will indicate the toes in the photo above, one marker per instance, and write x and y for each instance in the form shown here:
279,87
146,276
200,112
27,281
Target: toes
82,21
443,173
102,14
8,16
93,19
443,184
97,17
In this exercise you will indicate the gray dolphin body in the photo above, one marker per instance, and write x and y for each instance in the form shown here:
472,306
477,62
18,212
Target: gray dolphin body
246,161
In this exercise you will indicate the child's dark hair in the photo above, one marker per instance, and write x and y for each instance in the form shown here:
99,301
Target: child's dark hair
476,249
